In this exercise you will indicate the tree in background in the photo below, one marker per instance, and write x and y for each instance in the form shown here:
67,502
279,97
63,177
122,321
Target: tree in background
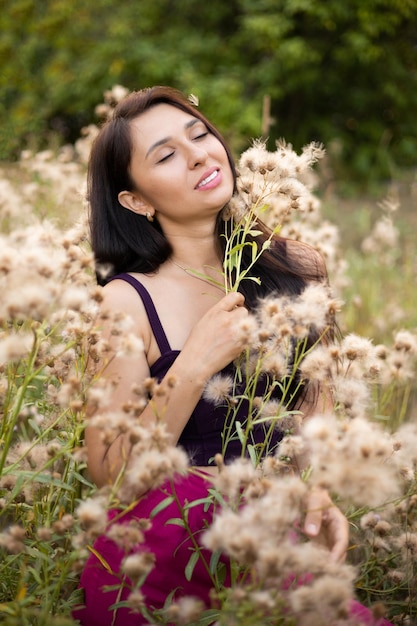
344,73
339,72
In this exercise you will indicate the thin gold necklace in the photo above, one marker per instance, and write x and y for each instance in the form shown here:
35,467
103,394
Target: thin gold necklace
194,274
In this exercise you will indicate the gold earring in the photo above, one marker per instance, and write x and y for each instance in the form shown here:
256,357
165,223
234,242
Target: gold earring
149,216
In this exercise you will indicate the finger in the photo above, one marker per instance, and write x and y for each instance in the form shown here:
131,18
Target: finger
318,503
232,300
312,523
338,530
338,552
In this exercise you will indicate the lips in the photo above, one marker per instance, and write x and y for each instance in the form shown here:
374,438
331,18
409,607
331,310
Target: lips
207,177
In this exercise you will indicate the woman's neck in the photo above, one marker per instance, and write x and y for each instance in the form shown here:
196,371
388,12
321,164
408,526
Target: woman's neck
195,252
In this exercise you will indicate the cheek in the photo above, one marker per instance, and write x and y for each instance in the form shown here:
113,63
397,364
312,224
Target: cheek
231,180
157,185
225,160
164,191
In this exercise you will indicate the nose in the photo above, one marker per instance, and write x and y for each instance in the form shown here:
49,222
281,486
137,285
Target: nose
197,157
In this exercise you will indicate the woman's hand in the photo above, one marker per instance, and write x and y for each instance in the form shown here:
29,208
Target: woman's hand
217,339
327,524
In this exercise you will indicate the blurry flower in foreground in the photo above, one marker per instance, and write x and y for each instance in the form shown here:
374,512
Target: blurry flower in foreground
405,341
137,565
320,602
127,536
135,601
352,459
12,539
233,478
355,347
149,469
250,532
218,388
351,395
92,514
185,611
14,346
130,345
405,443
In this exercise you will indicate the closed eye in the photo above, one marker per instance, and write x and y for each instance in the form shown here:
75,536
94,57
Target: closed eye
201,135
165,158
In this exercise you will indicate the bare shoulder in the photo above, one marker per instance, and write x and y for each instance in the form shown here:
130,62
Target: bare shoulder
119,295
121,302
307,260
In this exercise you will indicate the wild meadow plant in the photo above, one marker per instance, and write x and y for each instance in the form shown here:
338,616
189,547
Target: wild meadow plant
363,449
46,340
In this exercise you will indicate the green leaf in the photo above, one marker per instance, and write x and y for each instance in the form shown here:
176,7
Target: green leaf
176,521
263,208
208,617
36,575
38,555
161,506
221,573
35,426
254,251
191,565
214,561
252,454
217,496
194,503
238,247
32,477
255,279
240,432
80,478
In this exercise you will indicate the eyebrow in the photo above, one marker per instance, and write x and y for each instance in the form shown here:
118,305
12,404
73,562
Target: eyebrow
160,142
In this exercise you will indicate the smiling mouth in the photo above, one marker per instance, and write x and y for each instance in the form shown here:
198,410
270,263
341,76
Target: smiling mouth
207,180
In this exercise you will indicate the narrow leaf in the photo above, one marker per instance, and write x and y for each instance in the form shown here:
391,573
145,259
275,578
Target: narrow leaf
252,454
208,617
191,565
254,251
101,559
240,432
214,561
194,503
176,521
161,506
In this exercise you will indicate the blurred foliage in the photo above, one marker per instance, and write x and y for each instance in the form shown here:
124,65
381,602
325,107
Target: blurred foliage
344,73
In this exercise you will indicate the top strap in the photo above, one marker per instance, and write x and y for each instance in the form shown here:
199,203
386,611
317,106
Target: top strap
154,321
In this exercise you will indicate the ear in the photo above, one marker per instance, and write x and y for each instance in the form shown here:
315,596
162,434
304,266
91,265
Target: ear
134,203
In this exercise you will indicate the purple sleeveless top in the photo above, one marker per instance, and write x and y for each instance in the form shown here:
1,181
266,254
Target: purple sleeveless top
211,428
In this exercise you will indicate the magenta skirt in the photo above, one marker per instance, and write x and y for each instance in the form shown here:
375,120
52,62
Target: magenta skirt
172,548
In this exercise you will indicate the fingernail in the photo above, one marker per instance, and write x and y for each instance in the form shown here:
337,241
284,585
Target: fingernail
311,529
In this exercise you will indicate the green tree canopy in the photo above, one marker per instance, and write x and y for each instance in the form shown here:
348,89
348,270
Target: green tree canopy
339,72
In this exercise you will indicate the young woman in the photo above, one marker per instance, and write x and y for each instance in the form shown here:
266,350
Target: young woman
159,176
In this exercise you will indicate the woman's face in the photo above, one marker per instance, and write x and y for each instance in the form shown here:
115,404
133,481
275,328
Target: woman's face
180,170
